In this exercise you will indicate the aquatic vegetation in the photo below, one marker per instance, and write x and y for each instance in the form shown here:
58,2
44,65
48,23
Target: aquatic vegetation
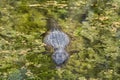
93,27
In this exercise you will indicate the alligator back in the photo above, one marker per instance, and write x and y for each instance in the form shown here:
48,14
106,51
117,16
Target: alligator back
57,39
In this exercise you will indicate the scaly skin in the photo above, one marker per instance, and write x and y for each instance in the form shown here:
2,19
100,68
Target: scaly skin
58,40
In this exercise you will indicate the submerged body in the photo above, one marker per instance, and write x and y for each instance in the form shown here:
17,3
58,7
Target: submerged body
58,40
